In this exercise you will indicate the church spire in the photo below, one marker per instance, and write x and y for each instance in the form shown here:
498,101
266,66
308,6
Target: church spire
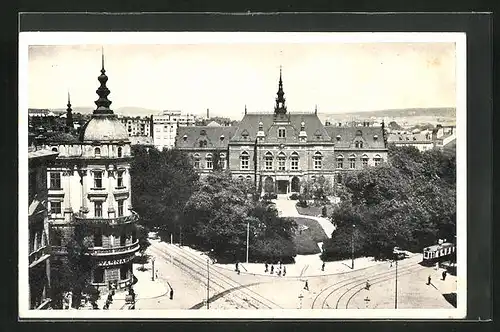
103,102
69,114
280,100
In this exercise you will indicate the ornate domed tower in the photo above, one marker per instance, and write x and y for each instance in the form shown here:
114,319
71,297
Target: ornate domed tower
91,196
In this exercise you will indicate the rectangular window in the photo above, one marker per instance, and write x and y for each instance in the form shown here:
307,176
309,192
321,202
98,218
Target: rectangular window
99,275
269,164
98,209
55,180
294,164
209,164
98,179
281,132
281,164
197,163
119,179
123,239
55,208
120,208
365,162
352,163
377,162
340,164
97,237
317,163
245,162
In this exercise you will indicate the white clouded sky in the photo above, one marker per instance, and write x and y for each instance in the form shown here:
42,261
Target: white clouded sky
224,77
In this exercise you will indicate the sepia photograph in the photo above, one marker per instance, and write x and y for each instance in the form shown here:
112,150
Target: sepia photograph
242,175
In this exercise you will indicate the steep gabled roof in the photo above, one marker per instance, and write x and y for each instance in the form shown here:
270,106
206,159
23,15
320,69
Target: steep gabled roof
216,137
372,136
250,125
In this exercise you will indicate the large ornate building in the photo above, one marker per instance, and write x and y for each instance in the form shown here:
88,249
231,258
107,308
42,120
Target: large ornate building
89,190
279,150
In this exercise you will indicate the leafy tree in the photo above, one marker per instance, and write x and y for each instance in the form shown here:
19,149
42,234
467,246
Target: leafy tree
409,202
162,183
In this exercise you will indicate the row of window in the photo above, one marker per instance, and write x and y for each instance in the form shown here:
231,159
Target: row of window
209,164
55,208
55,179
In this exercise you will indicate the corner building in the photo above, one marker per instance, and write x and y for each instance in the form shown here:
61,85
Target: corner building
89,185
278,151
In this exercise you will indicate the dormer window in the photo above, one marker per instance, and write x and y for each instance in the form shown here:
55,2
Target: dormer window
281,132
244,134
203,132
359,133
185,137
221,137
338,137
375,137
54,149
203,144
318,134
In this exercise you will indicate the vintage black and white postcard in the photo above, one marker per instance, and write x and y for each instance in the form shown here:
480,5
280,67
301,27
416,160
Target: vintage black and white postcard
242,175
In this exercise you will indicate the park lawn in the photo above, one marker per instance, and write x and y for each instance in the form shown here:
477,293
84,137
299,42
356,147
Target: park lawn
306,241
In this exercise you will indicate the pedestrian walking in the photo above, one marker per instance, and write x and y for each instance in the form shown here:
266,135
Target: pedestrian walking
428,280
279,272
272,269
444,275
367,286
323,266
279,263
171,293
156,274
284,271
391,264
306,286
266,268
236,267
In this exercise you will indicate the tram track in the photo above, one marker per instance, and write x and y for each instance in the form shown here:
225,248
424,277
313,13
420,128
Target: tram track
351,279
220,283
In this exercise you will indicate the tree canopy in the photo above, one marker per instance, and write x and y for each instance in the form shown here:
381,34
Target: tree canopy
162,183
409,202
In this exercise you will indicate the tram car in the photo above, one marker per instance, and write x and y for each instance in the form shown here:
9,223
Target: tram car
438,253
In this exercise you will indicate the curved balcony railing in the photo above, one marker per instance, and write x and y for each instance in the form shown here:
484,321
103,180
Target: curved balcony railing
39,255
79,218
131,248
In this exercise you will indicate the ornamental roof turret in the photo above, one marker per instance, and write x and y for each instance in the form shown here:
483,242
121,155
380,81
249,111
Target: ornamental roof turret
280,107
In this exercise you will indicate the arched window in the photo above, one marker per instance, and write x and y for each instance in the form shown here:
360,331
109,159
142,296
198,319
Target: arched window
364,160
222,160
54,149
377,160
209,162
244,160
240,178
196,160
352,161
249,178
340,161
294,161
281,161
268,159
97,152
120,152
318,160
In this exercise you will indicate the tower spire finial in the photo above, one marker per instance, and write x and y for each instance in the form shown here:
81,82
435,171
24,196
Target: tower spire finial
245,108
280,100
69,116
103,102
102,58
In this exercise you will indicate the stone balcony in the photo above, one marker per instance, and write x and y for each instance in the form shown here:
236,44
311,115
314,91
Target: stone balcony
80,218
127,249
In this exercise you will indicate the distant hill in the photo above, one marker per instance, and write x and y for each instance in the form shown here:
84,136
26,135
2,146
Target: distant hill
127,111
448,112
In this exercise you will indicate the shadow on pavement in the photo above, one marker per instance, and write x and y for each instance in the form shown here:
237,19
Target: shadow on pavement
451,298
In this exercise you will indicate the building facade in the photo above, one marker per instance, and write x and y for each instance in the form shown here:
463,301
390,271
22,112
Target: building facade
165,127
89,195
38,227
138,126
279,151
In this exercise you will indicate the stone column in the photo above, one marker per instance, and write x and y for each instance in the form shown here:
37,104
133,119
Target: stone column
83,173
111,174
67,194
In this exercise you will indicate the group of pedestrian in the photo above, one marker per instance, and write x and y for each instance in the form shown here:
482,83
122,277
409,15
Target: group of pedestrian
443,276
280,269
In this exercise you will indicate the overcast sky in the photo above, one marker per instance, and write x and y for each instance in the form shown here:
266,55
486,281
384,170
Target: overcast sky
224,77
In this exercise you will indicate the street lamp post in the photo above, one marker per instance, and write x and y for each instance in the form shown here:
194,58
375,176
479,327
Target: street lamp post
248,236
396,287
208,284
352,246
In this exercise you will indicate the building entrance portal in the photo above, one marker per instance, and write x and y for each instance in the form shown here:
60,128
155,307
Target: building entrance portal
282,186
